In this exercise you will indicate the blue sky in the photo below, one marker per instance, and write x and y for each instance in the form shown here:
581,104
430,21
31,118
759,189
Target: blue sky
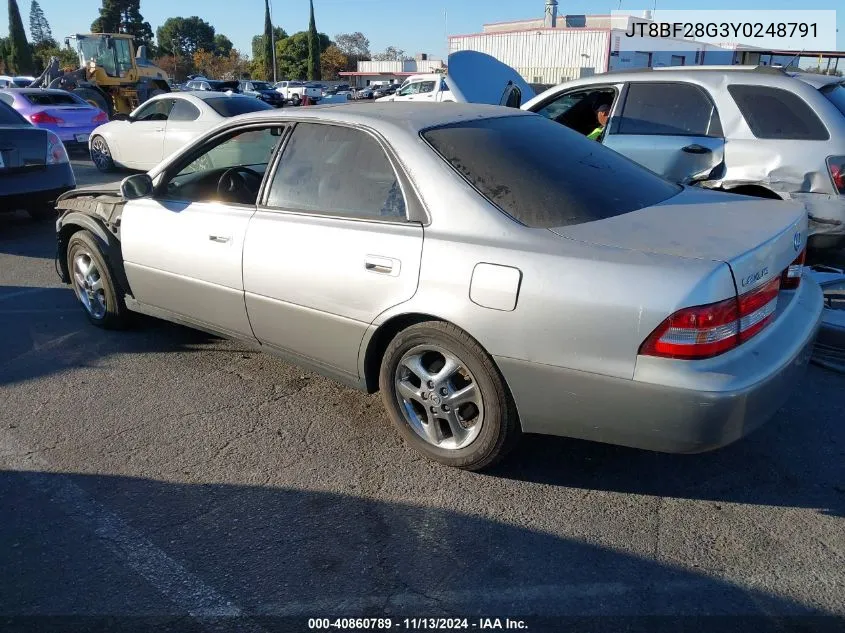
386,22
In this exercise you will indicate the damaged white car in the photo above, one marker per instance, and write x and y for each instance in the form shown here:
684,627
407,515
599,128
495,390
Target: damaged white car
756,131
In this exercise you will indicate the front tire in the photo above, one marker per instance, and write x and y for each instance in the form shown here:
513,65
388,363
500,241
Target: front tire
101,155
446,397
93,282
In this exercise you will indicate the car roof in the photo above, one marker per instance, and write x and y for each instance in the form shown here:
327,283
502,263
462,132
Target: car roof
202,95
413,117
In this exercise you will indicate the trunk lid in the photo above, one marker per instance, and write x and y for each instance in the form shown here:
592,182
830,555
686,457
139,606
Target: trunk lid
22,147
73,116
757,238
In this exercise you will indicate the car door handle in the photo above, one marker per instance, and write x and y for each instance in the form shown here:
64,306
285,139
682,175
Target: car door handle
382,265
695,148
219,239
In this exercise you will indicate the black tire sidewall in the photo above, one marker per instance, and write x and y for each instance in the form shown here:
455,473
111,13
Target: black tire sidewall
116,313
499,428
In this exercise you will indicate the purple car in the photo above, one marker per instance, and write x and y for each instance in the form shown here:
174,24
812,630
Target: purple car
69,116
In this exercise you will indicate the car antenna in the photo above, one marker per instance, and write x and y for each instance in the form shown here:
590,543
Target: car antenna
798,55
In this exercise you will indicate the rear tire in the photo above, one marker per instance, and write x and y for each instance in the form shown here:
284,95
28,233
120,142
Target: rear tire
95,98
101,155
93,282
440,418
296,100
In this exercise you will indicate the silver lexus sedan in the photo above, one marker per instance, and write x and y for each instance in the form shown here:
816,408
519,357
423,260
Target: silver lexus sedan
491,272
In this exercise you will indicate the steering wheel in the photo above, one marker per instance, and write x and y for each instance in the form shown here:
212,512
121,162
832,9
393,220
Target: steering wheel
236,180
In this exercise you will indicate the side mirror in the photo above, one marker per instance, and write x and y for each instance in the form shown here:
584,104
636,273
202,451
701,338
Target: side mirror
136,186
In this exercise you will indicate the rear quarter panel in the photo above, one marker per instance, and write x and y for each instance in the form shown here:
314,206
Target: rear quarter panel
579,306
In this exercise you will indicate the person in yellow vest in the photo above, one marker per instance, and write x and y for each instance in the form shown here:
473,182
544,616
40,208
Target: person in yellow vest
602,115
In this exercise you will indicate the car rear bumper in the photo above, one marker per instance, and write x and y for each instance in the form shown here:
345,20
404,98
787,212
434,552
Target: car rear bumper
25,188
674,406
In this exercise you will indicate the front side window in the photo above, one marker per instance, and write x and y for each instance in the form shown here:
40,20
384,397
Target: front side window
669,109
157,110
426,87
775,113
336,170
578,110
228,169
410,89
545,175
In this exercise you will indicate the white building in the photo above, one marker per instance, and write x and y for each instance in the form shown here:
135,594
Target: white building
374,73
554,49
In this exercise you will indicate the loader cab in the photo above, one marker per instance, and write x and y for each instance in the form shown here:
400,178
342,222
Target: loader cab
112,54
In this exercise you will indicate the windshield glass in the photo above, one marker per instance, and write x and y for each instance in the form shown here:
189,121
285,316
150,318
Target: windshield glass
545,175
94,48
261,85
233,106
835,93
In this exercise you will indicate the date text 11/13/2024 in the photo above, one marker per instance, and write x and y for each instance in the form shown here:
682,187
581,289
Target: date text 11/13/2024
416,624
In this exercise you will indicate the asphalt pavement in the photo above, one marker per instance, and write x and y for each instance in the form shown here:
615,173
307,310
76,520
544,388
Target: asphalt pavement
163,479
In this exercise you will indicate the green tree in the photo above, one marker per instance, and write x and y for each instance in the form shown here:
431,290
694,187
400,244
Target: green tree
222,45
185,35
39,28
314,49
355,47
268,43
20,54
292,54
124,16
67,57
5,52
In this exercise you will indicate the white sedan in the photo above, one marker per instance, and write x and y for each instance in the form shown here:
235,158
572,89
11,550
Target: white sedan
163,125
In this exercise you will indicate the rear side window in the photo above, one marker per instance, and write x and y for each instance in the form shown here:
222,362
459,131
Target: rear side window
336,170
669,109
48,99
775,113
835,93
6,98
545,175
233,106
9,116
184,111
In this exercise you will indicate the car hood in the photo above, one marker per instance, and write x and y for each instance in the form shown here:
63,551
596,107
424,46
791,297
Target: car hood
475,77
749,234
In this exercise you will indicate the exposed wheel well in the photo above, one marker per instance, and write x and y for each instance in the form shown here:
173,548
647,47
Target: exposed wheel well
757,191
381,339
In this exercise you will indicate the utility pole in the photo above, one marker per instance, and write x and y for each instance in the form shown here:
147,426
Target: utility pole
273,41
173,44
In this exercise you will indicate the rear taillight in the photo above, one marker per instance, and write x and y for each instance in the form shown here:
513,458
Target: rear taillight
713,329
791,278
56,152
101,117
836,166
43,117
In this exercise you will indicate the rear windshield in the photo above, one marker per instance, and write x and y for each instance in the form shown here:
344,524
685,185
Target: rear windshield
9,116
835,93
48,99
233,106
545,175
257,85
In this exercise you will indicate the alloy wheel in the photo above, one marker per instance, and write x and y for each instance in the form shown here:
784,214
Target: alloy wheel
88,284
439,397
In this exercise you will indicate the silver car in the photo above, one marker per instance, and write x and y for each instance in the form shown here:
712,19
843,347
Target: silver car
491,272
757,131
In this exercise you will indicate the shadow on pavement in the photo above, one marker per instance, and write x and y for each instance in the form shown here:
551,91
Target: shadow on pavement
243,557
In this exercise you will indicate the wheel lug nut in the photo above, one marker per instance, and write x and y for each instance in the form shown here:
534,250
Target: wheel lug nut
444,391
434,409
431,384
424,395
445,407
